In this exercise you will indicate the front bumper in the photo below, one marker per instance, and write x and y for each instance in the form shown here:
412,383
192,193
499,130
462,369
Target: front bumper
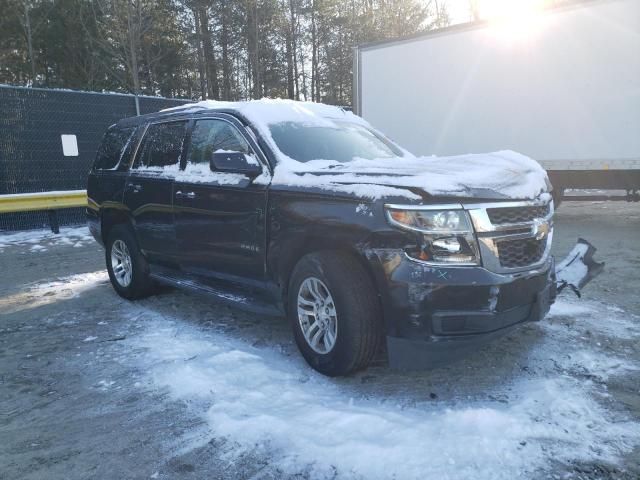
435,315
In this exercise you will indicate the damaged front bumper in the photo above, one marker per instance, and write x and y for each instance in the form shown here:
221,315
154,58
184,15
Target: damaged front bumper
441,313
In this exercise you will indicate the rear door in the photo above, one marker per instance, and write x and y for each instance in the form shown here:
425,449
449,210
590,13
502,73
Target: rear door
149,188
220,217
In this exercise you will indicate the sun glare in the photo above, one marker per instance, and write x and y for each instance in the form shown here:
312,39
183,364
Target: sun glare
512,20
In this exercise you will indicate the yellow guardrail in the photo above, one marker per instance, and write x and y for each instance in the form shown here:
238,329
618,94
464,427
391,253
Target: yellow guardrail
25,202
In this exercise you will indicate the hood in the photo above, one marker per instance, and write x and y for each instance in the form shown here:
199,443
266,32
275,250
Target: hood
497,175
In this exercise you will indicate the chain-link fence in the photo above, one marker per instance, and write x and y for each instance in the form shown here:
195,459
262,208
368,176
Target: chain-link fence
48,140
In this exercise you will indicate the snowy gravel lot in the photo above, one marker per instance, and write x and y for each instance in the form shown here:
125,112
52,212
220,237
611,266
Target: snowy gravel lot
177,386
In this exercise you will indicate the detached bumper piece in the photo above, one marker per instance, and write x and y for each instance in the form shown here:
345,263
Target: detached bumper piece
578,268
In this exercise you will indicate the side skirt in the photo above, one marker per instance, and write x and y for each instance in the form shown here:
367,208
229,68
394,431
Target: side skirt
239,296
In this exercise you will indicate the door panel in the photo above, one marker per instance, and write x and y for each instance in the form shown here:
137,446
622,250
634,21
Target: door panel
149,188
149,199
220,217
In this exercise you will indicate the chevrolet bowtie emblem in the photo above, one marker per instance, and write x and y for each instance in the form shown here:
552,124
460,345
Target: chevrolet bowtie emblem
540,228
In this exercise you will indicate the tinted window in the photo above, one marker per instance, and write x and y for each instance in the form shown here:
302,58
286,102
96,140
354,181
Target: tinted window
209,136
162,145
340,141
111,148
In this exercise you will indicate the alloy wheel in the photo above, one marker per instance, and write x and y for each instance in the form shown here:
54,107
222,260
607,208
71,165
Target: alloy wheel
121,263
317,315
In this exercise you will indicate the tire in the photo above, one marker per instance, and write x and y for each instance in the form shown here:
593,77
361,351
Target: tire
356,313
121,241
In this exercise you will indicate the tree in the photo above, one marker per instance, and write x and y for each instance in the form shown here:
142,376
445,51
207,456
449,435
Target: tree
227,49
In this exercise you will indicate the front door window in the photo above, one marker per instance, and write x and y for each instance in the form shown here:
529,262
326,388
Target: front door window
210,136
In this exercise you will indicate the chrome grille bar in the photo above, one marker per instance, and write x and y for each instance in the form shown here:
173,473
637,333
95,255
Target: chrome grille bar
491,236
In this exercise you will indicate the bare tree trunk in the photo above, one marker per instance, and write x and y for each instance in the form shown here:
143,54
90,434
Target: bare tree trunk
27,21
133,31
201,72
209,57
226,67
294,47
315,84
290,61
252,46
303,74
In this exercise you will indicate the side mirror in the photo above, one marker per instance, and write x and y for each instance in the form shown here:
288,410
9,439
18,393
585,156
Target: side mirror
235,162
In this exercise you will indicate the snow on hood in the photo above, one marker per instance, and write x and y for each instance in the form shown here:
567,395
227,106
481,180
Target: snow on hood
505,174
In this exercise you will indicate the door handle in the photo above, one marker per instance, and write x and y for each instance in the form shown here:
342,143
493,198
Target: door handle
180,194
134,187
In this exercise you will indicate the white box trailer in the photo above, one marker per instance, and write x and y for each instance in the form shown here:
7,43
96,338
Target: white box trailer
565,91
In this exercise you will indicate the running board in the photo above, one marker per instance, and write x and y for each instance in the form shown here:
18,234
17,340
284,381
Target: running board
232,295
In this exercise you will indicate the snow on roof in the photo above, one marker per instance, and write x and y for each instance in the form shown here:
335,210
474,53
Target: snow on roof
268,111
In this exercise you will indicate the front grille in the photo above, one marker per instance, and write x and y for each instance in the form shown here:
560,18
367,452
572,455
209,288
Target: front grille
500,216
520,253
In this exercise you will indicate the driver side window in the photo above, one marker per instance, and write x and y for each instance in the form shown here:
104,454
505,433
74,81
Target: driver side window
211,135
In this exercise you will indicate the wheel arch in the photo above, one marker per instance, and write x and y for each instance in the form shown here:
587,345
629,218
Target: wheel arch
110,217
285,264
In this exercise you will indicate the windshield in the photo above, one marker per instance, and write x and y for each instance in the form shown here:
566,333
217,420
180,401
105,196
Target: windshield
340,141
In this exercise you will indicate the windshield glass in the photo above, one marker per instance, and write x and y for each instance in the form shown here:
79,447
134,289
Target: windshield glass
340,141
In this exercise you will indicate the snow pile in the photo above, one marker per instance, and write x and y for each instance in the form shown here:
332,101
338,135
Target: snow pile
506,173
73,236
302,421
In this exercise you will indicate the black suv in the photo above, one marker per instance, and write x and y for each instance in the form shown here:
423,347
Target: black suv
304,210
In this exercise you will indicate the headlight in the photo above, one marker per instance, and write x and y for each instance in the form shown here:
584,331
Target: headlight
445,237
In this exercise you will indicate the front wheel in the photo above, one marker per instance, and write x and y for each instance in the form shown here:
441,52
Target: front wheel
334,312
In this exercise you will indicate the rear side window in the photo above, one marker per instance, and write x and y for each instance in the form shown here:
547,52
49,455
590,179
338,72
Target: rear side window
110,151
162,145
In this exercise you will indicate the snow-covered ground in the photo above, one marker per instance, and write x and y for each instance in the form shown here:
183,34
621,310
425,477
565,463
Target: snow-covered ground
175,386
40,240
261,396
264,400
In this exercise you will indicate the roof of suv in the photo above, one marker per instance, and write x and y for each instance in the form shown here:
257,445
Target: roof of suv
261,112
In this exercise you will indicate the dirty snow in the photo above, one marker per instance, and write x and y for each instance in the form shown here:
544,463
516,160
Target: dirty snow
507,173
269,403
43,293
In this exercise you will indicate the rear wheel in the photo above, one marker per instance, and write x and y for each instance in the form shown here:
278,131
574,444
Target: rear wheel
127,267
334,312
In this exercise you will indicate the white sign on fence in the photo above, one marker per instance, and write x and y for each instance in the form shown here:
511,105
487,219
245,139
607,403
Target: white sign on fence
69,145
